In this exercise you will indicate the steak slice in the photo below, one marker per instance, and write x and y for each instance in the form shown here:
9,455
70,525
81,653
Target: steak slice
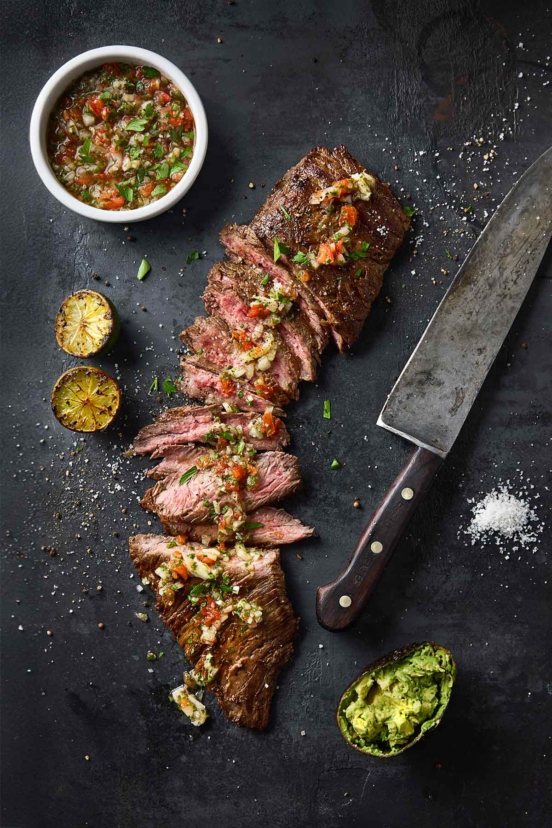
278,476
177,459
201,381
244,245
248,659
194,423
277,528
210,336
232,287
344,292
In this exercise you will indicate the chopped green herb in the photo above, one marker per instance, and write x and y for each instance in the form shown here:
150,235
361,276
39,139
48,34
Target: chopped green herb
188,135
162,172
280,249
155,385
171,544
327,410
468,209
159,190
265,279
409,211
285,212
140,174
449,254
359,272
169,387
148,110
134,153
106,96
361,253
137,125
178,167
158,151
126,192
192,257
150,72
143,270
187,475
84,153
301,258
248,526
335,464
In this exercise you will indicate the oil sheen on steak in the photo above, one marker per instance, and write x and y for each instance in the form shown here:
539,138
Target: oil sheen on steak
248,661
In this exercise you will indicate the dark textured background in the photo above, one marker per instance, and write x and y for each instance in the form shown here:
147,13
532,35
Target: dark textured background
392,79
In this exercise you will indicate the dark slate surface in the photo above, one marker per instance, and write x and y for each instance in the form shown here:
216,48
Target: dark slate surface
392,80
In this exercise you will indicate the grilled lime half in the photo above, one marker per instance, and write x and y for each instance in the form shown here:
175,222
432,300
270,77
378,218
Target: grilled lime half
86,399
87,324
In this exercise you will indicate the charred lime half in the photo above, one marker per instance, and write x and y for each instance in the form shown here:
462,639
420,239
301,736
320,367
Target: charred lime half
397,699
87,324
86,399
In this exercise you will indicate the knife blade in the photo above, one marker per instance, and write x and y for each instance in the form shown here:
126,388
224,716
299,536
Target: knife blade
438,385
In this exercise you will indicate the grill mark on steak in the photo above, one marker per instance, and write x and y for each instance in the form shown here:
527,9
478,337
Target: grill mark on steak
245,245
201,381
193,423
278,528
345,301
248,664
232,287
278,476
211,336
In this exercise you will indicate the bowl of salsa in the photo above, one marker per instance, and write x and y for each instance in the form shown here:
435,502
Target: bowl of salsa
118,134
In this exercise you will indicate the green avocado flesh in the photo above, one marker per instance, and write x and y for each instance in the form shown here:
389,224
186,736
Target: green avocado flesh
389,708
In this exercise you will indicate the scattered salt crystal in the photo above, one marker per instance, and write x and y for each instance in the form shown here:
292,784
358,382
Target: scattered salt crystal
503,515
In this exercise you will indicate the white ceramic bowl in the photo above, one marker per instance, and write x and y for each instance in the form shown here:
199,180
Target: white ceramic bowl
63,78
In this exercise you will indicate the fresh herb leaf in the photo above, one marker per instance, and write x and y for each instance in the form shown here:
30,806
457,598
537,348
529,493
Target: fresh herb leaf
265,279
147,140
248,526
150,72
359,272
148,110
140,174
280,249
126,192
301,258
143,270
155,385
176,134
169,387
468,209
188,475
178,167
162,172
327,410
186,152
409,211
137,125
449,254
171,544
106,96
335,464
188,135
192,257
134,153
361,253
86,195
84,153
158,151
285,212
159,190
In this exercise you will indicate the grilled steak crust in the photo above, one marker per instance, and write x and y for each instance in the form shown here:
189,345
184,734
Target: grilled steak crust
245,246
193,423
248,660
201,380
211,336
278,476
232,287
277,528
344,301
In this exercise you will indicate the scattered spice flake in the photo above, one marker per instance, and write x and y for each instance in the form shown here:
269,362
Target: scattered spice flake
327,410
335,464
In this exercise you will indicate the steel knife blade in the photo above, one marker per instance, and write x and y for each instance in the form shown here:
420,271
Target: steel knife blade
436,389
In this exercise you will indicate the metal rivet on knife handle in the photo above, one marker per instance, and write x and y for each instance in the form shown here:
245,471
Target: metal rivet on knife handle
407,494
345,601
376,547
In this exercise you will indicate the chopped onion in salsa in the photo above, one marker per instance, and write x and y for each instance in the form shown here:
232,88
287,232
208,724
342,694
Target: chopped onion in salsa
120,137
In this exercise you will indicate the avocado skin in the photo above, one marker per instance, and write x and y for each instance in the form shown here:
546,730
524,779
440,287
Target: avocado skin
392,658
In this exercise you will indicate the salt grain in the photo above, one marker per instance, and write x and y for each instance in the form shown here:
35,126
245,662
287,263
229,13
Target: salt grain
502,515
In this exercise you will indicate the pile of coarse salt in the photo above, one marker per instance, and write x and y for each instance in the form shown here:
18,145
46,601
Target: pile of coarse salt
503,516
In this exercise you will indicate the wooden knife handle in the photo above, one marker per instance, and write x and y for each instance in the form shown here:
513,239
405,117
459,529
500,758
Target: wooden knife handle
339,603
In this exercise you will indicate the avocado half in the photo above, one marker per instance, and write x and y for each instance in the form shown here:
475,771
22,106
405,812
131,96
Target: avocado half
397,699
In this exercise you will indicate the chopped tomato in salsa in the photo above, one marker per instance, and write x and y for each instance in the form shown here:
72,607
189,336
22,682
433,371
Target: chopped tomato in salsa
121,137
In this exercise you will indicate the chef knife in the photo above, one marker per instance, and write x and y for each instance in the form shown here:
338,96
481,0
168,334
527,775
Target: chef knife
436,389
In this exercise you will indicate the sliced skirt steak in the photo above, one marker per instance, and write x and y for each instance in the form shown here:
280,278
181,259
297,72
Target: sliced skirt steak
269,527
